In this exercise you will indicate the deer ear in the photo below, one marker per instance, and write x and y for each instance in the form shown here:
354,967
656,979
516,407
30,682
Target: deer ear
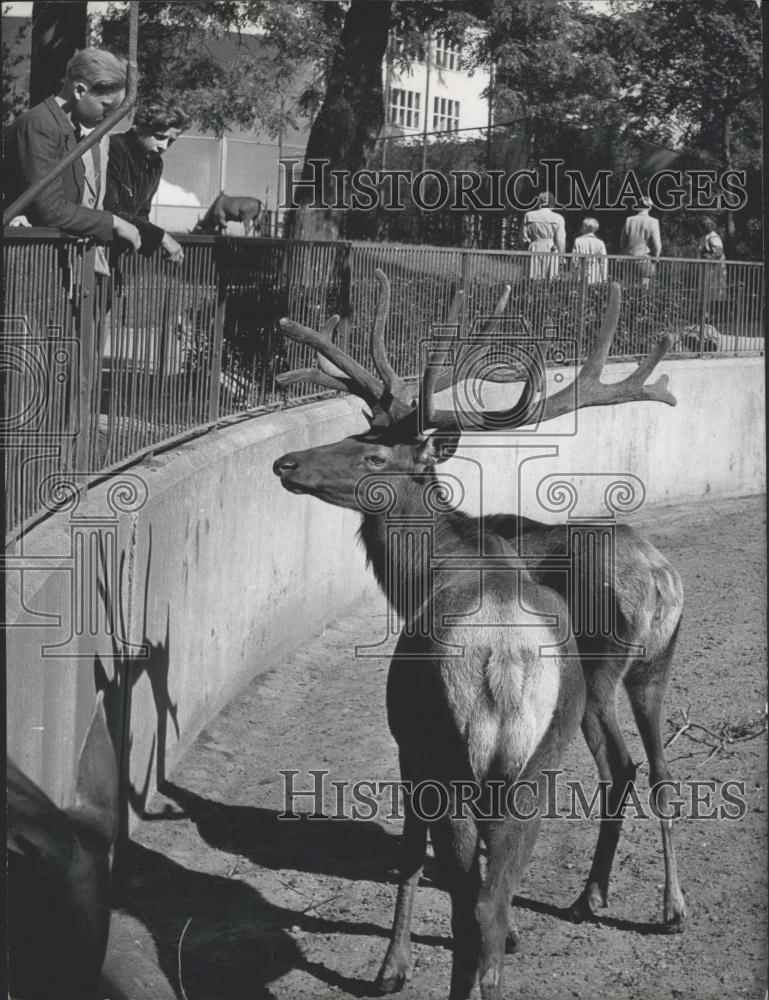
439,447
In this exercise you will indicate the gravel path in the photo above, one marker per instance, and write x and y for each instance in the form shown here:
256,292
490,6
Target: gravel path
268,908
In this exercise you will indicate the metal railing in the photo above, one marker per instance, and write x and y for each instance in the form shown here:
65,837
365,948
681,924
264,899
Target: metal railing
102,370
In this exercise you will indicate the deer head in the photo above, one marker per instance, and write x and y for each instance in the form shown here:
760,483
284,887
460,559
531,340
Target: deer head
408,435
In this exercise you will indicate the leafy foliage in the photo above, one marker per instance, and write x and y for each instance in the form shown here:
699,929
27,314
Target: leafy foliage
182,54
13,101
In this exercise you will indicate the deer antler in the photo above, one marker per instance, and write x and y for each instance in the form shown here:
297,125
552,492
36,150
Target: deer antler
586,390
389,397
451,376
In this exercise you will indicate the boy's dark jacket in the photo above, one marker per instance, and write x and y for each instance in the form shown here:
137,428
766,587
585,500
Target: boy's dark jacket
133,178
36,141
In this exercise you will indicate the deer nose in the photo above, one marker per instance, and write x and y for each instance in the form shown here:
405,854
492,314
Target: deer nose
284,465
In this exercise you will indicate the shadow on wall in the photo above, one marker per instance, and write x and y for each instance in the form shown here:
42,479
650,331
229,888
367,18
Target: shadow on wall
117,678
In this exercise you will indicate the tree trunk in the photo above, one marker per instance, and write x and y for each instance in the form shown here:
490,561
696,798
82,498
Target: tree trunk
58,31
726,154
350,118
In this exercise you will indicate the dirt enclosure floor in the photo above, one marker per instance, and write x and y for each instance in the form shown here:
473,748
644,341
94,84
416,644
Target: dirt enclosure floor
223,900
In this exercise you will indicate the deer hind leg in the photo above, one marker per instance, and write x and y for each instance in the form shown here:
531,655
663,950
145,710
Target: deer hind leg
603,736
646,683
510,843
456,843
397,966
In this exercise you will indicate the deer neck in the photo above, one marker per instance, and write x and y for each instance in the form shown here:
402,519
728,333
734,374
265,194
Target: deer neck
402,542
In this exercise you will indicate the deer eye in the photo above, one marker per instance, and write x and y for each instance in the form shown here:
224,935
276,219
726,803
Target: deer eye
376,460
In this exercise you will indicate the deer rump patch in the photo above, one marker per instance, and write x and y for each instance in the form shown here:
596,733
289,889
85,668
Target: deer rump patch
506,698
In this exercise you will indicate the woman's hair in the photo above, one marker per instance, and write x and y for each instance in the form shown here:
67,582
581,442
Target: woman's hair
159,113
545,199
708,225
589,225
100,70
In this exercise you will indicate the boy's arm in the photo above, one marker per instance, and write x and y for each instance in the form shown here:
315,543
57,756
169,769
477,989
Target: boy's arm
118,194
36,150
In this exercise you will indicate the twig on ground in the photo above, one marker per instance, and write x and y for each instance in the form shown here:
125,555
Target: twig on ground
179,959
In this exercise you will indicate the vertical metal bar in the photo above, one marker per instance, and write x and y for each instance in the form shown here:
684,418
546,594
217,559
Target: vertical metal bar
218,335
703,304
86,337
464,263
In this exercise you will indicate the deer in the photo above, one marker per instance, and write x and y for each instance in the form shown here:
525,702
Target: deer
488,682
231,208
59,864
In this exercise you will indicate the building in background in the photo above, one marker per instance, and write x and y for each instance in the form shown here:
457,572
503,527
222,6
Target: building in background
435,96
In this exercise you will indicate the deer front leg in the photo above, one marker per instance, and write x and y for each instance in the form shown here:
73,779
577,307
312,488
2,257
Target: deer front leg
397,966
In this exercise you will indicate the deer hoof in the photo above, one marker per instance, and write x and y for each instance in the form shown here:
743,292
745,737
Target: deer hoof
589,900
513,939
392,978
675,916
393,983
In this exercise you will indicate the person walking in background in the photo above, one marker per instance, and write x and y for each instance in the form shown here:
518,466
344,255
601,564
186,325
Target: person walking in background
588,246
711,249
38,139
641,238
135,167
545,233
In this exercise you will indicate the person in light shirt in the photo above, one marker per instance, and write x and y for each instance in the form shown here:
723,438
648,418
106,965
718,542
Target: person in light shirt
545,232
641,239
588,246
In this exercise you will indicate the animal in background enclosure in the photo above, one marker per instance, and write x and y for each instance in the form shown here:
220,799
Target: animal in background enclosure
490,678
231,208
59,865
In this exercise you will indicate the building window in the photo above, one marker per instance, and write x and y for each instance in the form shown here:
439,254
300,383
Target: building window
445,115
446,54
403,107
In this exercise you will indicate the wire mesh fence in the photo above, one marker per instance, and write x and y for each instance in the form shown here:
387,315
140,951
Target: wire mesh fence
100,370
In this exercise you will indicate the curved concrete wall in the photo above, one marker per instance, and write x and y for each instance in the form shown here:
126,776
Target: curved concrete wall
178,580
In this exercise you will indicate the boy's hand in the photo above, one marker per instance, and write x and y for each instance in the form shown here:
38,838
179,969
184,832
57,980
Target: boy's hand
126,231
172,250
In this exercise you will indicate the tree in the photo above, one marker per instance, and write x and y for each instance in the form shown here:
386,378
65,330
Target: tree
351,115
181,54
12,59
693,76
58,31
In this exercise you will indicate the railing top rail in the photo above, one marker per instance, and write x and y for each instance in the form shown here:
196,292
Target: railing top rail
526,253
22,234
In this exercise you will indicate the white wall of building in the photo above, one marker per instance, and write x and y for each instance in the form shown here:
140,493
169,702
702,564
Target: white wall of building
444,83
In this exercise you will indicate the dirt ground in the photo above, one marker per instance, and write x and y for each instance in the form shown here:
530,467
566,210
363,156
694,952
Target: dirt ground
223,900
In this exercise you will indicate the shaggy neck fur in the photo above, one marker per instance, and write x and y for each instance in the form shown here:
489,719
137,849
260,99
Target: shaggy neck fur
402,544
